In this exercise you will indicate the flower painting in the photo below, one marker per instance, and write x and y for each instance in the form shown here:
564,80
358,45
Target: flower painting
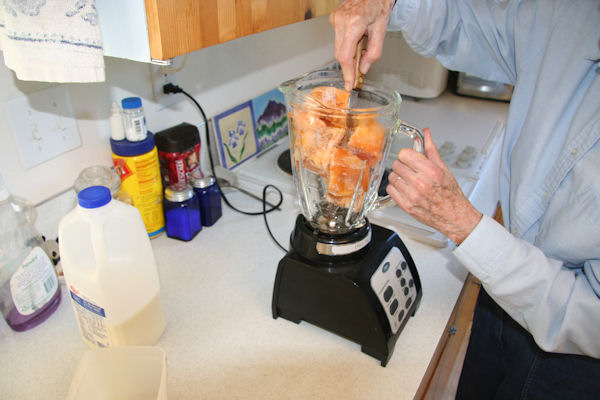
236,135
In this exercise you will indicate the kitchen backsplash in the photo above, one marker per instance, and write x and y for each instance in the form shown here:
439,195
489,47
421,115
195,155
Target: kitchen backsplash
219,77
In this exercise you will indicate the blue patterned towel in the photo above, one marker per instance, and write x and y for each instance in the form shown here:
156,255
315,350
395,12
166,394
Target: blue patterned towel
52,40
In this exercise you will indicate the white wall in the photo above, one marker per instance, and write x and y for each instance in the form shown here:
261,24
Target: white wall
218,77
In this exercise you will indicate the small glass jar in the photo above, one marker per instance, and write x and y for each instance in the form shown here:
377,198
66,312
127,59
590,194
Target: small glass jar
134,120
182,212
210,199
99,175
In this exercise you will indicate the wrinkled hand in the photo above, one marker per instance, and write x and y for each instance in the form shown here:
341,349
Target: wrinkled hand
424,187
353,19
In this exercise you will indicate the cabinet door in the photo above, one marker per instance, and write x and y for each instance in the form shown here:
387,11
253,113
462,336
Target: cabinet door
176,27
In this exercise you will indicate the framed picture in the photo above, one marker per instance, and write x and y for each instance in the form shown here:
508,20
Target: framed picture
236,135
270,118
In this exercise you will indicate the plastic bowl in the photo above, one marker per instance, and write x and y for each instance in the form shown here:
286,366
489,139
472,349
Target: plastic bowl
128,372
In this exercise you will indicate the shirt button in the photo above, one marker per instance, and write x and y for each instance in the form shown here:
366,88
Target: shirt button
574,151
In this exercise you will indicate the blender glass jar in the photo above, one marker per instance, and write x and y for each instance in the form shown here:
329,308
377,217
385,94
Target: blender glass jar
337,152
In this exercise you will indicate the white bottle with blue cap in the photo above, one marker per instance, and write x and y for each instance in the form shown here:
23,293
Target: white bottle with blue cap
110,272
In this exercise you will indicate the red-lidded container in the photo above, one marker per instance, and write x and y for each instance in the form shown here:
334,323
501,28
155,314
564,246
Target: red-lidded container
179,153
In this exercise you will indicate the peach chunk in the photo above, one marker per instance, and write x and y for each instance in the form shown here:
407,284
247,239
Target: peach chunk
346,172
331,96
335,100
367,140
315,140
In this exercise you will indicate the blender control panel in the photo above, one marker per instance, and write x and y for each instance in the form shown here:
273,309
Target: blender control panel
393,284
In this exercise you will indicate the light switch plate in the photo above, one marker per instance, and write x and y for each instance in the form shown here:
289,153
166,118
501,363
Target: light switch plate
43,124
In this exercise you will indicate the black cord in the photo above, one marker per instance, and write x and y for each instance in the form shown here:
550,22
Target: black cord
171,88
264,204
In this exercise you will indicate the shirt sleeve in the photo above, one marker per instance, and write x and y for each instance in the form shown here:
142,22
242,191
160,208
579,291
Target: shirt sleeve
554,302
470,36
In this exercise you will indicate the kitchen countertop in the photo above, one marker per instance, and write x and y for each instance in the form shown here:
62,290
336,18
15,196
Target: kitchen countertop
221,340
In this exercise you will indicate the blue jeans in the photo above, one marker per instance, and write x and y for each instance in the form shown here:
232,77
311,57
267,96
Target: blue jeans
504,362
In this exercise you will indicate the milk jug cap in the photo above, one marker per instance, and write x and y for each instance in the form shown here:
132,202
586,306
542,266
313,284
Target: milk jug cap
94,196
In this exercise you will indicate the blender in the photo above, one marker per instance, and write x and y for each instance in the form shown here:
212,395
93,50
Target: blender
342,273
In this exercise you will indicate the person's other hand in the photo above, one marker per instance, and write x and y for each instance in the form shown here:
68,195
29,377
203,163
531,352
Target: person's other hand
353,19
424,187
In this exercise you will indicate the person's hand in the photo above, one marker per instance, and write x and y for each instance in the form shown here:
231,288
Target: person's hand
353,19
424,187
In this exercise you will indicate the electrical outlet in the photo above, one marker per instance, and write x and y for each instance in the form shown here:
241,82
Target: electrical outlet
161,75
43,124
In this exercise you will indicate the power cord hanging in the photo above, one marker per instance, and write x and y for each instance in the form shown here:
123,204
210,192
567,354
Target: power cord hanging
170,88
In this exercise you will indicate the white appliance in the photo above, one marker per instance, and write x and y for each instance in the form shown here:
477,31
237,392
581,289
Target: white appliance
472,126
406,71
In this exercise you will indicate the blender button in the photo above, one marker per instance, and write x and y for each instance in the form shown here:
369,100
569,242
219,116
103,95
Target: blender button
387,295
411,283
400,315
393,306
403,282
408,302
386,266
403,265
398,273
406,291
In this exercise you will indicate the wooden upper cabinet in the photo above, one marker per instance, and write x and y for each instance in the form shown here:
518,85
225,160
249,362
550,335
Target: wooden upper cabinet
177,27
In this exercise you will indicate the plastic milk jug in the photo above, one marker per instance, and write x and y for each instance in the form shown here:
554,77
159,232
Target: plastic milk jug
110,272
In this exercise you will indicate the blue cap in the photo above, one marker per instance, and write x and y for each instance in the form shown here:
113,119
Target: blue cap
131,102
125,148
94,197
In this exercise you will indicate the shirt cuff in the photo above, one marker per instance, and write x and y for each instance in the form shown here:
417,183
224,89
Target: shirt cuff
483,251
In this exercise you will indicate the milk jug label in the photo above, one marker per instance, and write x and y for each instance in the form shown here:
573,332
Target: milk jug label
91,319
34,282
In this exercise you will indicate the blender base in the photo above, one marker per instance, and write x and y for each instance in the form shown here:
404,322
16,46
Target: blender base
366,297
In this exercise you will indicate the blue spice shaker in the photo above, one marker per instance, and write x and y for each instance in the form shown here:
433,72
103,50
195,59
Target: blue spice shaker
210,199
182,212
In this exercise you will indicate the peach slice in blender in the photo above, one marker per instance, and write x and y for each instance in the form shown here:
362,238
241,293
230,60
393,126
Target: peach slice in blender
347,172
334,101
331,96
315,140
367,140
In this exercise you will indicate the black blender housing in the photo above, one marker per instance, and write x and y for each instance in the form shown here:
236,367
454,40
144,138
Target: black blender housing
335,292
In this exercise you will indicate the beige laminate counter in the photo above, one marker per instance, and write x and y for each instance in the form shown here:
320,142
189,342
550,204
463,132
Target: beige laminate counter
221,340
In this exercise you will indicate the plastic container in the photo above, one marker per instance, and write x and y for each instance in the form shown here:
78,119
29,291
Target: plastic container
137,166
182,212
209,197
110,272
134,120
117,130
178,153
138,372
29,289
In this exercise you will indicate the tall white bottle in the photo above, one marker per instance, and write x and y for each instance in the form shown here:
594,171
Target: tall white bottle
110,272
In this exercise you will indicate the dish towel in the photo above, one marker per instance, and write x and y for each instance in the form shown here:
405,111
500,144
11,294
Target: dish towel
52,40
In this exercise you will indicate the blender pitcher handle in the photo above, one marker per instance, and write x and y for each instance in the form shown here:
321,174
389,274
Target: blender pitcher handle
418,145
415,134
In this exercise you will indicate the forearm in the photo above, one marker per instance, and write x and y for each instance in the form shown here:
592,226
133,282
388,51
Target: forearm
556,304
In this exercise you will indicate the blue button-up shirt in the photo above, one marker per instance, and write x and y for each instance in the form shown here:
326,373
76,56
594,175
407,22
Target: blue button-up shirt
545,269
